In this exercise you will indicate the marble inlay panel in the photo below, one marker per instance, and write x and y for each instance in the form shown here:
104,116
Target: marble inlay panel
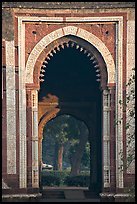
11,107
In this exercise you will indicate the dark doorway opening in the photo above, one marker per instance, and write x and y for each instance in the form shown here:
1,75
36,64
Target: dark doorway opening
70,77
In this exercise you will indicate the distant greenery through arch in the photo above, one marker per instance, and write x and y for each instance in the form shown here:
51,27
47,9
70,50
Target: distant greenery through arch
65,146
65,131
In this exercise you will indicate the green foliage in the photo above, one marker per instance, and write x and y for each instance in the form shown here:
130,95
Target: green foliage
63,178
85,161
52,178
57,130
79,180
65,130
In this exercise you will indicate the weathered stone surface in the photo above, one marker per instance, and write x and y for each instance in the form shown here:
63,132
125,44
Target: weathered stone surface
75,5
131,29
7,25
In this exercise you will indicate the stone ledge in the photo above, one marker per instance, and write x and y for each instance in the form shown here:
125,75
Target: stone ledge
107,194
68,5
22,195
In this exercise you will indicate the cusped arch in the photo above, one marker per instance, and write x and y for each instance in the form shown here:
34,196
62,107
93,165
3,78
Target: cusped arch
70,30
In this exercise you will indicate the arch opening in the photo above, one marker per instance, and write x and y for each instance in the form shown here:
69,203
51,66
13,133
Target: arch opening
70,86
72,71
76,45
63,145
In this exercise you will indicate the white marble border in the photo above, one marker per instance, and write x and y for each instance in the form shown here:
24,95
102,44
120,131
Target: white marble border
22,107
118,71
11,107
119,97
71,19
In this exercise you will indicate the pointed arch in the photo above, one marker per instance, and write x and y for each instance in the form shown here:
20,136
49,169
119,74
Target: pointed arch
70,30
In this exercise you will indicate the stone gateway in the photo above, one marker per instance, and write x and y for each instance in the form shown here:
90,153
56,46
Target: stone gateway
65,58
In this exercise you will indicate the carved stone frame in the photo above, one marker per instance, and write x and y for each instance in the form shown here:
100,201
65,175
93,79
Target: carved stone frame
26,77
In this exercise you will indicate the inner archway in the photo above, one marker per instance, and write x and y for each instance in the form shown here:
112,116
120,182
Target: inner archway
66,148
72,76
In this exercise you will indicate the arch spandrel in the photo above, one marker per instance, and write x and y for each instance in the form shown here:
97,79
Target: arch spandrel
70,30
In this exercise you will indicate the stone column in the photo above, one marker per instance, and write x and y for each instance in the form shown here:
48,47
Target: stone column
35,166
112,141
106,139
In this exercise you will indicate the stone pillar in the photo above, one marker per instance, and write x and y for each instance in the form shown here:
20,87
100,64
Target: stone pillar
112,141
35,166
106,139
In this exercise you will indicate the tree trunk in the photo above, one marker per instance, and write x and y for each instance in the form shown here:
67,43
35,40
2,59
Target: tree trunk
60,157
76,160
55,159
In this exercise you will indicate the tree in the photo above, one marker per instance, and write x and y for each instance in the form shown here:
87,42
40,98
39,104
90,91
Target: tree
57,133
79,150
63,132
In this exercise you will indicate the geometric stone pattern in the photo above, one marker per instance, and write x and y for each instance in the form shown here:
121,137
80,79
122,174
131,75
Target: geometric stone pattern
11,107
35,167
106,138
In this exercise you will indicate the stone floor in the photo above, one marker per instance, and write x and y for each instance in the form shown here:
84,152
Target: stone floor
72,194
52,194
48,200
